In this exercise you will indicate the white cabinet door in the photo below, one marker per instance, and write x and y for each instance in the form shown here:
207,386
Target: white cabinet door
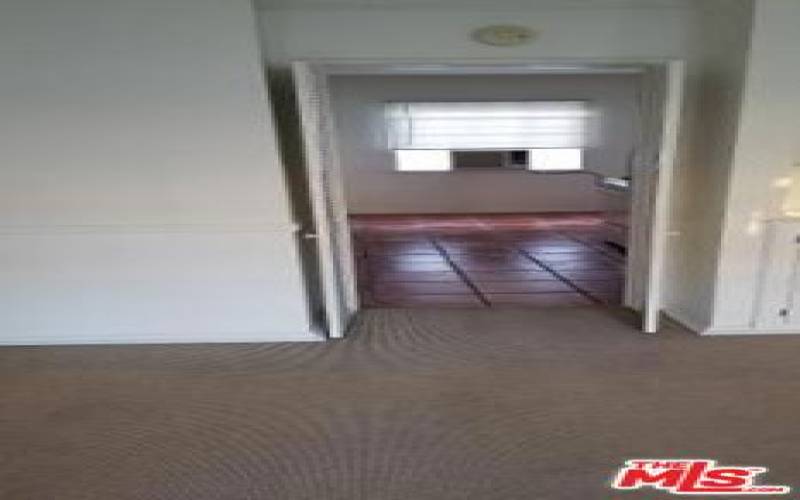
778,295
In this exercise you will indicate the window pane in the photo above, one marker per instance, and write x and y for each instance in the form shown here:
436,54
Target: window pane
422,160
555,159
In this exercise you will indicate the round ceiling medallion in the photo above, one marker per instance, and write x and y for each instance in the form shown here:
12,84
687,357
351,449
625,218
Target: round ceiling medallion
504,35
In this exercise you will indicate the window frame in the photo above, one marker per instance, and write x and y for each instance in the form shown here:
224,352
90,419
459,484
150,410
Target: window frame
520,169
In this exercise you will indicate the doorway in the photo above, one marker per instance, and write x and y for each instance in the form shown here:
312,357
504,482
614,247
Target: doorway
481,259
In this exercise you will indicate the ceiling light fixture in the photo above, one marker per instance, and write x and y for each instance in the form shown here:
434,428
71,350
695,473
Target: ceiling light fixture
504,35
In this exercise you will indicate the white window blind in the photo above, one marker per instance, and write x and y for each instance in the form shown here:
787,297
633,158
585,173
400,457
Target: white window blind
491,125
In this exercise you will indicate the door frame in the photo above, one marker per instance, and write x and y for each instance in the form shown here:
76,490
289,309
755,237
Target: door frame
651,192
674,80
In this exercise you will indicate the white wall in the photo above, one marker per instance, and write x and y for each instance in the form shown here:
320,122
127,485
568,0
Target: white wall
141,196
707,140
768,145
374,186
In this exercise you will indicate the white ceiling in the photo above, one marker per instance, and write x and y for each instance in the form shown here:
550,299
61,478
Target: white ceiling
472,4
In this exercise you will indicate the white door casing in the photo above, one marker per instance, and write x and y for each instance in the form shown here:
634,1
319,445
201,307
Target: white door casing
659,188
652,171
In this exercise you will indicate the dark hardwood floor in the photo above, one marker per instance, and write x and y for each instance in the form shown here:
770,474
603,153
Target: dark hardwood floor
537,260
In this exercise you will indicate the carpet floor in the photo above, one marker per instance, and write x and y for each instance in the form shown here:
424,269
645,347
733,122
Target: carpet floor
417,404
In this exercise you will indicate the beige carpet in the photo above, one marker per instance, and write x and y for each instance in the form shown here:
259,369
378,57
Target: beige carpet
417,405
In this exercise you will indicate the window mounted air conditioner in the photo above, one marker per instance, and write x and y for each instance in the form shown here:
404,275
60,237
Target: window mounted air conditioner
489,159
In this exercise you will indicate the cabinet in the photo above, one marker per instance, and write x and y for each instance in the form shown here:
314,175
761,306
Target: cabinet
778,295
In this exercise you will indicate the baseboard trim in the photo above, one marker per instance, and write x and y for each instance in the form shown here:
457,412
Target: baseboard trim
202,228
723,331
312,335
711,331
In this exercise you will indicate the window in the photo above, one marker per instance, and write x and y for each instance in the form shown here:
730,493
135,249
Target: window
444,160
423,160
555,159
552,134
